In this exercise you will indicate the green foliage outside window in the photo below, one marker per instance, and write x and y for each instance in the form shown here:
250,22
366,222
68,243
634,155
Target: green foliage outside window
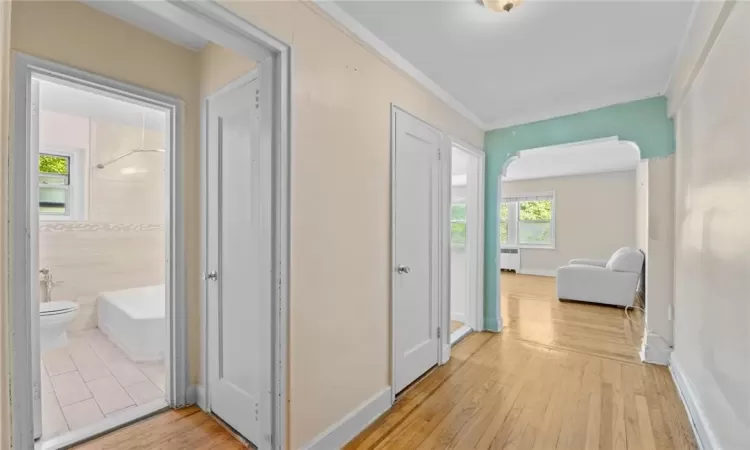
458,224
535,210
53,164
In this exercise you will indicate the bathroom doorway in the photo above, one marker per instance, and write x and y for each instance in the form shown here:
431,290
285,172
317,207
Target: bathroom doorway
101,272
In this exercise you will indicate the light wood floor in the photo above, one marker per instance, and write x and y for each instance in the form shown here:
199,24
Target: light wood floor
188,428
559,376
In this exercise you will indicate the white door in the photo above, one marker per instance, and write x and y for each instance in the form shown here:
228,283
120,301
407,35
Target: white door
239,265
416,249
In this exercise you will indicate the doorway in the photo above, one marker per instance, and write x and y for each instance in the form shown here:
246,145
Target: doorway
97,285
466,219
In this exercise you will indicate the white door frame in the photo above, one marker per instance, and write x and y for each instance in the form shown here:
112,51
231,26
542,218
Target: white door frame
443,225
223,27
475,301
22,234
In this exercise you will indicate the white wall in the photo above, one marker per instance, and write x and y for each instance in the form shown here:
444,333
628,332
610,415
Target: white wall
594,216
712,239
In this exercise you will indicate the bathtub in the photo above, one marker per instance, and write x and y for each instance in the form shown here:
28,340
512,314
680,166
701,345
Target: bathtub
134,320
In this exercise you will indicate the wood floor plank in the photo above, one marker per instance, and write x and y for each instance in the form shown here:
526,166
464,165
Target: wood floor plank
561,375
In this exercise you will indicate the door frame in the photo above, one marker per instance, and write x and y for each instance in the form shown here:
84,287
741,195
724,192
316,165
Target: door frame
274,58
475,302
22,193
443,225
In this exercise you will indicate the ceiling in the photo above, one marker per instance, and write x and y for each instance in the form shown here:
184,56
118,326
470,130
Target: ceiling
64,99
544,59
598,156
130,12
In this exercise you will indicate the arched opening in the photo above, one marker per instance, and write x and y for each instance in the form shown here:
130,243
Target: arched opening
555,204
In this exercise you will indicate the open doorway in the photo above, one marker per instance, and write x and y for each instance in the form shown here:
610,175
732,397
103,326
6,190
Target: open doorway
467,204
99,195
569,254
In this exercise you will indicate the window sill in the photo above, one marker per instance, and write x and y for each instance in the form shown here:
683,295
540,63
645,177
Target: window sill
535,247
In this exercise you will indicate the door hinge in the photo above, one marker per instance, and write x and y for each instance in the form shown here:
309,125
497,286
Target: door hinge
439,155
438,333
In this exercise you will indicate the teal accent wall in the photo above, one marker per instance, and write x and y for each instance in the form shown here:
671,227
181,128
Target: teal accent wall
644,122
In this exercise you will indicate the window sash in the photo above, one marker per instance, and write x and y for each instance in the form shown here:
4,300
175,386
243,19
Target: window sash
515,227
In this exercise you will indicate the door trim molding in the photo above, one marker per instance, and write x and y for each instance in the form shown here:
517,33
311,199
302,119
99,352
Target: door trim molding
19,236
443,235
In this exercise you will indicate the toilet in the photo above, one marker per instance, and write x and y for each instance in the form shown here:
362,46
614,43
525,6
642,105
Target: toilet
54,318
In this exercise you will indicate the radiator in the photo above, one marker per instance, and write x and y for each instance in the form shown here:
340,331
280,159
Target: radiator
510,259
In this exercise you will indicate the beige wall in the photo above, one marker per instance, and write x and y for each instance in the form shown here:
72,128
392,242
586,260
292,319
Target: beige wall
219,66
5,8
594,216
79,36
340,240
712,240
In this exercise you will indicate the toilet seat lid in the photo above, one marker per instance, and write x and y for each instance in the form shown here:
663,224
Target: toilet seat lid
60,307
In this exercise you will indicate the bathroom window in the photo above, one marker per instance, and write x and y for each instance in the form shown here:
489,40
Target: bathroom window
61,186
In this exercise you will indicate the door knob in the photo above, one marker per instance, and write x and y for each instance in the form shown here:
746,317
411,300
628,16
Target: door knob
402,269
213,276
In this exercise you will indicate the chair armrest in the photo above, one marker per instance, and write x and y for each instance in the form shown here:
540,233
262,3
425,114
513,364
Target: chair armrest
589,262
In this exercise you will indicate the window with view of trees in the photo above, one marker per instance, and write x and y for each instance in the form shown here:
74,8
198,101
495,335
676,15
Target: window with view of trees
458,224
54,184
527,221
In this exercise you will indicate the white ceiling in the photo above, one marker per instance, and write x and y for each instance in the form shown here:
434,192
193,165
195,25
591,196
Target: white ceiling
602,155
130,12
65,99
544,59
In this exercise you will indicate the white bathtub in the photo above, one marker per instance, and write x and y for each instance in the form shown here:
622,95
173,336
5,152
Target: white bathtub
134,319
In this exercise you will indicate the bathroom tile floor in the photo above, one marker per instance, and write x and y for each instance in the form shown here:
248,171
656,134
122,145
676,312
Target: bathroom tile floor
90,379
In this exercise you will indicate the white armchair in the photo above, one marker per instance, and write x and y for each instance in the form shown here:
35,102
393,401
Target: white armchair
612,282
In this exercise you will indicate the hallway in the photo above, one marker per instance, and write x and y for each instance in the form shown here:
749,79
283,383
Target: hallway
559,376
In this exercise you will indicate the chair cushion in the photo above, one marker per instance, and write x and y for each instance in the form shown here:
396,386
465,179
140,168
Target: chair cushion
626,260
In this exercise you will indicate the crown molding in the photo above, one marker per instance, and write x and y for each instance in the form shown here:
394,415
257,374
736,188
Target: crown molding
359,31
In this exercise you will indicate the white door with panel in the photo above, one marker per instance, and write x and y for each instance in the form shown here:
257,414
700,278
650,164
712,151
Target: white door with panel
416,193
239,263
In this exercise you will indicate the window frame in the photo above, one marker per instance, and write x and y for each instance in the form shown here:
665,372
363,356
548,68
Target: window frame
513,202
77,207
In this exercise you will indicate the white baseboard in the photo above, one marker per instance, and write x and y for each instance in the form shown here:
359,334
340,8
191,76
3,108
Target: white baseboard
340,433
701,427
200,397
459,317
539,272
655,350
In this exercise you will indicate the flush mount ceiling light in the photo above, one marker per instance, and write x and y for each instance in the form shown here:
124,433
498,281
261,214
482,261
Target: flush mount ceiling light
501,5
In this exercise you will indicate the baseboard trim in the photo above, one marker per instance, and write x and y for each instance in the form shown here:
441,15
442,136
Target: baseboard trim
539,272
459,317
655,350
343,431
701,427
493,324
200,397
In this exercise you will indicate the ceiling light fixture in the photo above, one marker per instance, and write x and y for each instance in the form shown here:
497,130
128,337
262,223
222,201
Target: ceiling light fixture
501,5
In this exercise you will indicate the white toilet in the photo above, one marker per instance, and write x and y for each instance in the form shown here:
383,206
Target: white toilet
54,318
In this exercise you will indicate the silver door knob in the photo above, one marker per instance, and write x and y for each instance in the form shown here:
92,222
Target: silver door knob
213,276
402,269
